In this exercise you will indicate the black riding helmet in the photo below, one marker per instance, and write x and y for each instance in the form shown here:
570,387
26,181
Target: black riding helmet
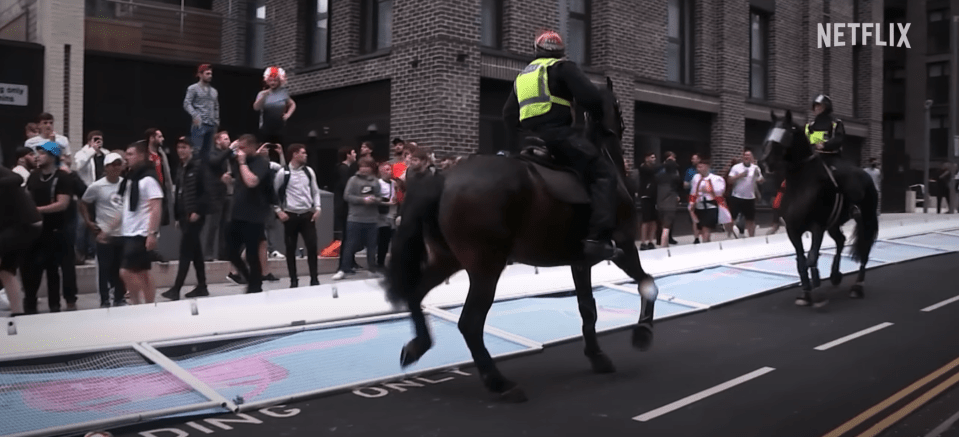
825,101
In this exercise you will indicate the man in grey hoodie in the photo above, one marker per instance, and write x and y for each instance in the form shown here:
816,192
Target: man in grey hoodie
362,194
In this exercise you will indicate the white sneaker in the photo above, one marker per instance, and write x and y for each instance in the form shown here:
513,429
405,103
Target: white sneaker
338,275
276,254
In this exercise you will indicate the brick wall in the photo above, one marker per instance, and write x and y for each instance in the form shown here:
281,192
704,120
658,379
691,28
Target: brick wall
233,42
435,97
61,23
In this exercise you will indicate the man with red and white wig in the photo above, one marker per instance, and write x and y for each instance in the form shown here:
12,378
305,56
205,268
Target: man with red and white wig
274,104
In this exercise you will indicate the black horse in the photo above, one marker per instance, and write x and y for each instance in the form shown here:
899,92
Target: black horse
814,202
488,210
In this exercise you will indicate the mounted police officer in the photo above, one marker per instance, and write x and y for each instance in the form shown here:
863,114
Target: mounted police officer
541,104
826,134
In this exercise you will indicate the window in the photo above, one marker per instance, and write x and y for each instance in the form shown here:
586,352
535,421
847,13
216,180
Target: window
938,136
937,31
758,41
679,40
100,9
897,75
577,38
937,82
318,32
492,23
199,4
376,26
256,33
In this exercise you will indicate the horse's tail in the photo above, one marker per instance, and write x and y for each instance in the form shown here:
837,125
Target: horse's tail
420,211
867,227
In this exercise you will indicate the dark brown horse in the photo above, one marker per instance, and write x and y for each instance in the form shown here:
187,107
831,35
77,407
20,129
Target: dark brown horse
489,210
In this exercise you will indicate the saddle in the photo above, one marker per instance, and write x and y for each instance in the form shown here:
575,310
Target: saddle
562,182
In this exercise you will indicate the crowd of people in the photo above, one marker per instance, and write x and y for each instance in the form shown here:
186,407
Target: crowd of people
107,204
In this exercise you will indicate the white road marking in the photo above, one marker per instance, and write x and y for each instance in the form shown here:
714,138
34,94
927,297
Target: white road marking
854,336
943,426
701,395
940,304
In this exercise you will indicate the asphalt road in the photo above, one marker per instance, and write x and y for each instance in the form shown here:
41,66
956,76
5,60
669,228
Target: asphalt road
796,390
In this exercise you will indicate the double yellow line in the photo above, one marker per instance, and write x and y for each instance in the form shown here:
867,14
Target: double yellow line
905,410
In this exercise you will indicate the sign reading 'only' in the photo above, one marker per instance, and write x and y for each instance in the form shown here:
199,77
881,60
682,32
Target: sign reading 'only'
13,95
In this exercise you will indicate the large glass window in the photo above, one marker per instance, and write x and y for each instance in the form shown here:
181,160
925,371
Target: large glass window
318,42
937,31
377,25
679,40
937,82
758,54
577,40
256,33
492,23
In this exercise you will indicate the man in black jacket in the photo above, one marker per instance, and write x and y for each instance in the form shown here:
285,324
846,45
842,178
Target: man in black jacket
190,206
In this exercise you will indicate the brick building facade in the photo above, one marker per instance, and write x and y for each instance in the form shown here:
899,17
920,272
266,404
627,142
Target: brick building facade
703,75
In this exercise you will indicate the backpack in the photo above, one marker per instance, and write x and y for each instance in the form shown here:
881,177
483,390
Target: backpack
281,194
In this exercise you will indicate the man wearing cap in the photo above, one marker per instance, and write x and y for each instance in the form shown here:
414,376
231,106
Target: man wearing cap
540,102
51,190
103,200
203,104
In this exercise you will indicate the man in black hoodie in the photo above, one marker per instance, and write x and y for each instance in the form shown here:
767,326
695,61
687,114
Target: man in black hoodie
190,206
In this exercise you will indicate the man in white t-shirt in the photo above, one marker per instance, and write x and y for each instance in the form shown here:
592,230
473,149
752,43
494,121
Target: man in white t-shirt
706,192
102,198
45,122
744,177
139,223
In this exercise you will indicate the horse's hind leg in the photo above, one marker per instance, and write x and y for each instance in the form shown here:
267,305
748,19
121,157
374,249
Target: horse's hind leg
441,266
472,320
629,263
836,234
587,309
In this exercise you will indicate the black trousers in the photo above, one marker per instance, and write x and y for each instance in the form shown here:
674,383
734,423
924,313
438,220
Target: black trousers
45,256
109,257
383,237
247,235
571,149
191,250
297,225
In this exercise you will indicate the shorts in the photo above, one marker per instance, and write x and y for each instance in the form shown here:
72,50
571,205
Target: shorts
708,218
135,255
666,218
647,207
16,241
746,207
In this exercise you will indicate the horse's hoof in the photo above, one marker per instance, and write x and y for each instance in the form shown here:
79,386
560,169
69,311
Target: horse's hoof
836,278
410,354
642,338
514,395
602,364
856,291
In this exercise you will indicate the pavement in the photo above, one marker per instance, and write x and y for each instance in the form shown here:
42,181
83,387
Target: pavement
218,284
801,372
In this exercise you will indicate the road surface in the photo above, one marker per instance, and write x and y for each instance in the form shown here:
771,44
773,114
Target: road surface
761,367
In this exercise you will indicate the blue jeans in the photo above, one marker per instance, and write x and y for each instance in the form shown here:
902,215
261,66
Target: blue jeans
358,235
202,138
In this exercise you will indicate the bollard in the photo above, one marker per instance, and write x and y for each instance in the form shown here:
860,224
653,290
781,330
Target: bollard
536,270
11,328
193,309
336,294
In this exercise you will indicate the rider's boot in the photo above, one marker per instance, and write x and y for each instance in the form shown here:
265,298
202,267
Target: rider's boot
597,245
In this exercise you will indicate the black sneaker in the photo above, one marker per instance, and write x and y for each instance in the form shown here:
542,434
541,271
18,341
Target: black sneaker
199,291
105,304
236,278
314,282
294,283
172,294
271,278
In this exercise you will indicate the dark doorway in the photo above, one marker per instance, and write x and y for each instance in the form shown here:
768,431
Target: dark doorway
20,67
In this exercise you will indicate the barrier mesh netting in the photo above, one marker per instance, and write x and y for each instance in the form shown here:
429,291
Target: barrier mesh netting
100,386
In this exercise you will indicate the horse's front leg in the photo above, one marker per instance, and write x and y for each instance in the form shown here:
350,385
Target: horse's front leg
630,264
587,310
795,237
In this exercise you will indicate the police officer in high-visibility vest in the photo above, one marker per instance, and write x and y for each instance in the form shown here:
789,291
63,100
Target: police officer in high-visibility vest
541,104
826,134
